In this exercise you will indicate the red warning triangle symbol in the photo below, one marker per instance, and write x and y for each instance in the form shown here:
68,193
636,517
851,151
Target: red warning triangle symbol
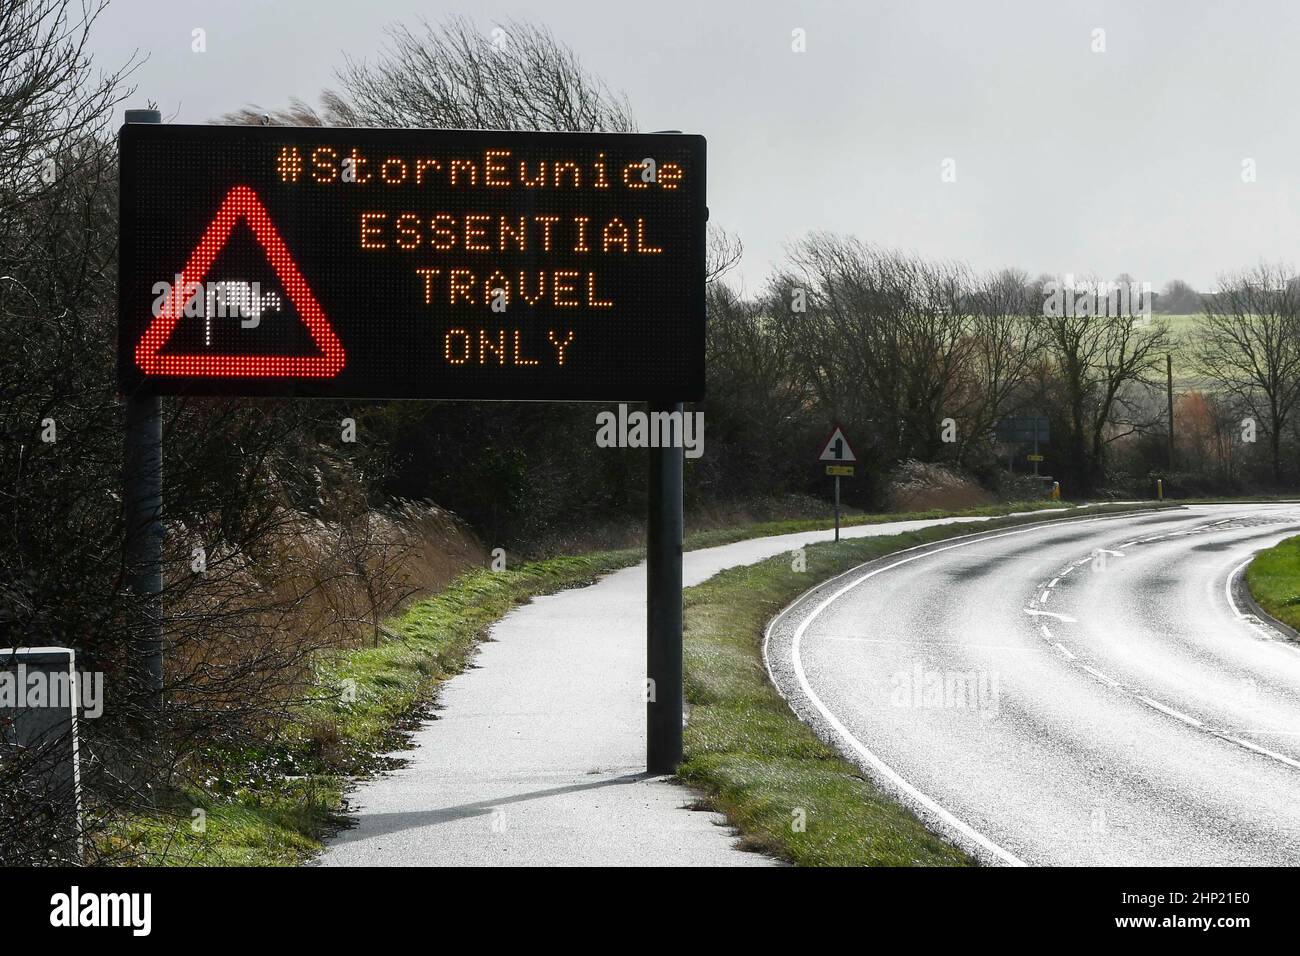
242,203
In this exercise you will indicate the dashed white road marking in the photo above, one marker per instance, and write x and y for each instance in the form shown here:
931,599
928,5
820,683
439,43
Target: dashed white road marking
1052,583
1176,714
1065,651
1104,678
1261,750
1169,711
1035,612
1042,598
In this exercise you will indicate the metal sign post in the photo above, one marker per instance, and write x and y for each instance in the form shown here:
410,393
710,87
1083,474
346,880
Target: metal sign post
837,451
664,693
1021,430
837,507
142,514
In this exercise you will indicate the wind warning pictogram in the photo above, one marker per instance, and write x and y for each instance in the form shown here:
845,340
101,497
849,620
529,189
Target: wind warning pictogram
241,204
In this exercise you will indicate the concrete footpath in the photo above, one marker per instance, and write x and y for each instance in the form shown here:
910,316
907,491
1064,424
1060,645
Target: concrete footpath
537,757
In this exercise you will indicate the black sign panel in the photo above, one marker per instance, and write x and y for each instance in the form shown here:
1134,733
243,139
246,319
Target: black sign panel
1023,429
365,263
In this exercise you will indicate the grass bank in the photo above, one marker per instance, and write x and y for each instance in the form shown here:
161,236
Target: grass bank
1274,581
274,805
786,791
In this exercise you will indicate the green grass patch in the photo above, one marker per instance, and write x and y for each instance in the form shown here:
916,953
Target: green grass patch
784,790
273,824
1274,581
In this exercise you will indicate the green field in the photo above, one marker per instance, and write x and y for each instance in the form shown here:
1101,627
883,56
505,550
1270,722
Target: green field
1182,329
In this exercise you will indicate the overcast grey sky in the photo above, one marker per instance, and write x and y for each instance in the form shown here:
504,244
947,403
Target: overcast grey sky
1066,159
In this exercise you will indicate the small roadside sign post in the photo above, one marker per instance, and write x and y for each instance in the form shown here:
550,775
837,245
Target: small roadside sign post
838,456
1021,430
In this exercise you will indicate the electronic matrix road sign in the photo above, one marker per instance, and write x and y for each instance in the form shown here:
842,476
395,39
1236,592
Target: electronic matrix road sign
366,263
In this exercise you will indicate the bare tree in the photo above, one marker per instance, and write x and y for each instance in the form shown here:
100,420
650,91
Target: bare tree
1102,360
884,340
1248,344
1006,340
838,303
722,254
455,76
52,104
757,401
934,358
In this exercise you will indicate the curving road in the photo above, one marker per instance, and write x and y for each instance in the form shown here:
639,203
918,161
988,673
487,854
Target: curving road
1081,692
537,752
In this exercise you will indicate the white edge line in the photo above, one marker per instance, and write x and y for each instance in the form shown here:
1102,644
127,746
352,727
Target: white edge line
1262,627
1227,586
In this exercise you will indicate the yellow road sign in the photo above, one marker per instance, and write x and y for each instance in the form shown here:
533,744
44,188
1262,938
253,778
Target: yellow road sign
844,470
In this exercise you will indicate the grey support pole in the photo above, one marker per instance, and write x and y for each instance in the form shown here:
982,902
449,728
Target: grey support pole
664,697
142,506
837,507
1169,395
142,500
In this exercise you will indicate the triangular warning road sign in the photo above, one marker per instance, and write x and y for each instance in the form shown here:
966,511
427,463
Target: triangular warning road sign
837,448
242,203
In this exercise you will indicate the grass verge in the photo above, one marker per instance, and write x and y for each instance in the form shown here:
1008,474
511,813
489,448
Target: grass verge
786,791
273,806
1274,581
712,539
